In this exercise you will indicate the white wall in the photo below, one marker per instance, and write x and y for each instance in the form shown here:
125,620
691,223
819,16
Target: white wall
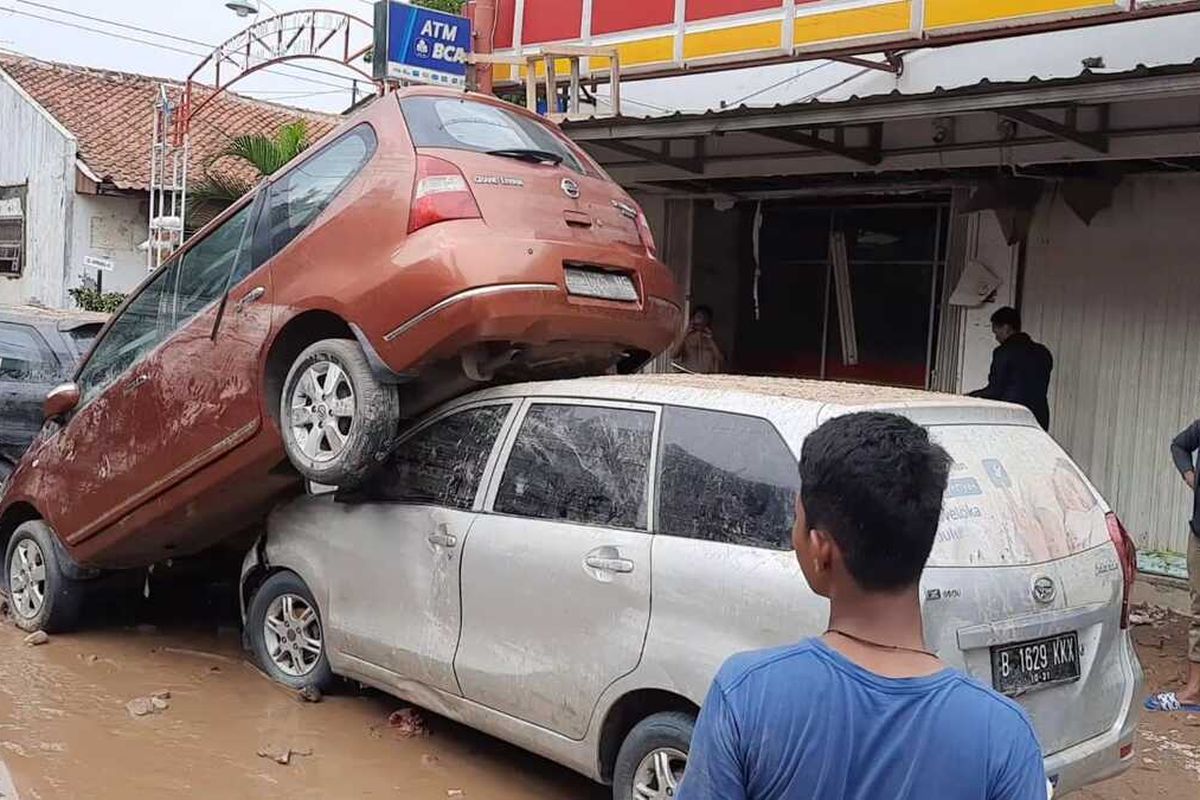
986,244
109,227
35,149
1118,303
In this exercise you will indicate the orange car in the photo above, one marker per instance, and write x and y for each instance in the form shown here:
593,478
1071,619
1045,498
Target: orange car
436,242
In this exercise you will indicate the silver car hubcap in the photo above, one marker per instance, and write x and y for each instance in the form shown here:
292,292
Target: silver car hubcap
322,411
659,774
27,579
292,633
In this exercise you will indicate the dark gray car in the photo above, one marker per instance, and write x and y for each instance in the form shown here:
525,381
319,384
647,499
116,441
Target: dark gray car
39,348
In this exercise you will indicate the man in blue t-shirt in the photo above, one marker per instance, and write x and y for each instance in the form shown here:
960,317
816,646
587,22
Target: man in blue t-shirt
864,712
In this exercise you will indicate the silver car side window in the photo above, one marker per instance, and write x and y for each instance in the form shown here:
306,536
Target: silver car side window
581,464
443,463
725,478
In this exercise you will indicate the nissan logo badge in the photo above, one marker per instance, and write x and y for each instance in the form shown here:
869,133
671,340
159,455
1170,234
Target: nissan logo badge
570,188
1044,589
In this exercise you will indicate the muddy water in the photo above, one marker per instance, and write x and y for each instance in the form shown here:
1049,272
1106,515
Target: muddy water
65,731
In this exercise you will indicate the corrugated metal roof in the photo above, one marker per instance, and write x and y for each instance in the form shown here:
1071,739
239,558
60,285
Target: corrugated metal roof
1103,52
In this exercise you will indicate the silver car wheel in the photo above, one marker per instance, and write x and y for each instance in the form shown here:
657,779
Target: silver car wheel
322,411
27,579
659,774
292,633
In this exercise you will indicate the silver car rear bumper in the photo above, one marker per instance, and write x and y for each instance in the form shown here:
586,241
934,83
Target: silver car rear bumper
1099,758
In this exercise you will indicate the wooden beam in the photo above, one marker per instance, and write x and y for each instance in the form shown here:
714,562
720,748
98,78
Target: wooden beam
1096,142
870,156
893,63
692,165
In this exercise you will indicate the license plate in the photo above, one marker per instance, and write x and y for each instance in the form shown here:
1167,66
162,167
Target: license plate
1022,667
604,285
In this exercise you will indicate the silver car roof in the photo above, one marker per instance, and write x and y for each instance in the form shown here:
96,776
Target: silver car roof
773,398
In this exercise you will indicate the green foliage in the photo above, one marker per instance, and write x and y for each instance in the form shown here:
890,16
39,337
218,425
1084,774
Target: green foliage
450,6
87,298
265,154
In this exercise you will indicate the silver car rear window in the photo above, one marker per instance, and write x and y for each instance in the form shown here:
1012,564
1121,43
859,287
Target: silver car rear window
1014,498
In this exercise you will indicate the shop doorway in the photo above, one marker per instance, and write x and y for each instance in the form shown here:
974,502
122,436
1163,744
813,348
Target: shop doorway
848,293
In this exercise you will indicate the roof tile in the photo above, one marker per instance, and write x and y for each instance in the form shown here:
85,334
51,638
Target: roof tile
111,115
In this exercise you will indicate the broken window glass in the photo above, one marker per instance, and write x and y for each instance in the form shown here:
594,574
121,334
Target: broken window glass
443,463
726,478
579,464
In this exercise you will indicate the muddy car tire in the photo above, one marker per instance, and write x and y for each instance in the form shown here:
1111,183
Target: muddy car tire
336,417
40,594
653,756
287,634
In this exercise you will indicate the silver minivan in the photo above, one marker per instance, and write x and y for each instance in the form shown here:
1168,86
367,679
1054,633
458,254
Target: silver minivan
565,565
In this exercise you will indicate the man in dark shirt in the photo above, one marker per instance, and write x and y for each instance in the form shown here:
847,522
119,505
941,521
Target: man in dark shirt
1020,368
1183,449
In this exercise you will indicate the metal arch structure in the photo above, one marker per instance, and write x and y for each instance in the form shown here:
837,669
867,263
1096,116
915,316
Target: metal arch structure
321,34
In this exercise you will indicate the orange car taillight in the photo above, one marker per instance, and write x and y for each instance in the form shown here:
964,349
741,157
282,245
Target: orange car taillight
441,193
646,234
1127,555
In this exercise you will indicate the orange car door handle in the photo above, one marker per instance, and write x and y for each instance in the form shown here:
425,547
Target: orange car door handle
252,296
135,383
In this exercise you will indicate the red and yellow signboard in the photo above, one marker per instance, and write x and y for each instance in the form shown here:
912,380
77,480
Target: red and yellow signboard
664,35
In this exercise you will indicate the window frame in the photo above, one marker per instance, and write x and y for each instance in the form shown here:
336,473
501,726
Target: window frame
20,193
252,203
516,424
263,248
659,463
513,403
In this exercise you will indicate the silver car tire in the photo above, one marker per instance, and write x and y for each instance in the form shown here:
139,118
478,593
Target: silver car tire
337,418
40,594
287,633
652,758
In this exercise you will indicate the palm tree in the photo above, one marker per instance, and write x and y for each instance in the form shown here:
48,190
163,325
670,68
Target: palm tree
262,155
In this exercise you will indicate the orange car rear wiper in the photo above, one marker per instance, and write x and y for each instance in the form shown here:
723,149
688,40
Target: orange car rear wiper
534,156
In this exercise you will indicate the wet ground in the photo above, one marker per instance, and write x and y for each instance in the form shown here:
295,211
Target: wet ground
1167,764
65,731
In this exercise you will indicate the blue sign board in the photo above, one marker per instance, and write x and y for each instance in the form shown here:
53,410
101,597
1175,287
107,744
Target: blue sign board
420,45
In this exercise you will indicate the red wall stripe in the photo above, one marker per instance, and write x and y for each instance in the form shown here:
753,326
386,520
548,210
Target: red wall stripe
551,20
609,16
707,9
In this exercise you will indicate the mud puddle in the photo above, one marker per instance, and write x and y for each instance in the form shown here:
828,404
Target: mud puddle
65,731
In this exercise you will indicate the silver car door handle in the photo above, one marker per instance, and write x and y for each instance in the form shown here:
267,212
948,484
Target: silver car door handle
443,539
609,564
252,296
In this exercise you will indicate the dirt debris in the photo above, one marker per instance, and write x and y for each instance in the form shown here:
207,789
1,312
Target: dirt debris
37,638
140,707
408,723
155,703
1154,616
283,754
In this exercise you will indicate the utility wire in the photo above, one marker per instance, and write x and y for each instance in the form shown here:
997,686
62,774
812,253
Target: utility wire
152,32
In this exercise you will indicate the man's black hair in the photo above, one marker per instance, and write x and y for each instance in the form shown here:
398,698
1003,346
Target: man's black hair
1007,316
874,482
705,310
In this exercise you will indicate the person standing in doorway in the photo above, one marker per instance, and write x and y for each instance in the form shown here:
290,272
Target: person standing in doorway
1183,452
1021,368
866,711
698,352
